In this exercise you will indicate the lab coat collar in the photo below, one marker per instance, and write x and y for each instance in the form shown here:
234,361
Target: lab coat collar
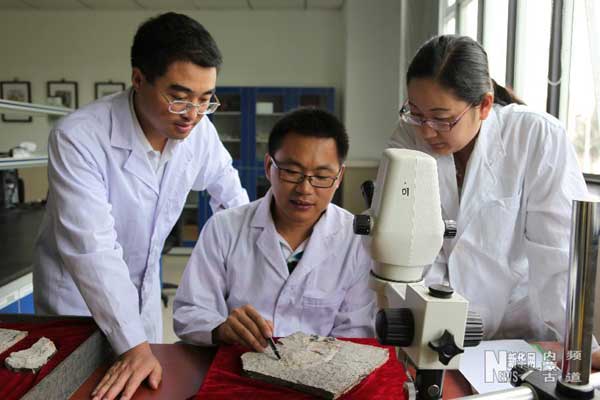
121,134
317,249
326,225
490,144
481,178
124,124
267,241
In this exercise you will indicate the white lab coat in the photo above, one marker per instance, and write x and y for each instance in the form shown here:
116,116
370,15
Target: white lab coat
510,254
107,217
238,260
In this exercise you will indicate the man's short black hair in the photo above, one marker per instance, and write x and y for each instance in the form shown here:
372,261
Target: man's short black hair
171,37
311,122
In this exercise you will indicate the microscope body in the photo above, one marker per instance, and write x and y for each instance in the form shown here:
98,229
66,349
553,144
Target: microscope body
431,317
406,232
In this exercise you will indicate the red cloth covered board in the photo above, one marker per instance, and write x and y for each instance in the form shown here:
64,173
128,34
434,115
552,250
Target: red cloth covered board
66,335
224,380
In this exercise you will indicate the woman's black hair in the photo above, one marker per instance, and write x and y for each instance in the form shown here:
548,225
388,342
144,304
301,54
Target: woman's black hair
311,122
171,37
459,64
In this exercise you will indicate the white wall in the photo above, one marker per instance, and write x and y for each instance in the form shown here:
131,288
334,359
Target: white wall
260,48
372,74
362,51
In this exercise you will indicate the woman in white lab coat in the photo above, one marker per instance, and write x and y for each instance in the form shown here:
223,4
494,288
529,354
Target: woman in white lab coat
507,176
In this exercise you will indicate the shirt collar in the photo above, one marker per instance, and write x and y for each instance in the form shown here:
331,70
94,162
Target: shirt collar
139,133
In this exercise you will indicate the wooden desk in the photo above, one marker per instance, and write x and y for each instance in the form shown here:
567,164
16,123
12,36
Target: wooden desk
184,368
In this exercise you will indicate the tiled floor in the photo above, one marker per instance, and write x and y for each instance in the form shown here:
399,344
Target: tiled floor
173,266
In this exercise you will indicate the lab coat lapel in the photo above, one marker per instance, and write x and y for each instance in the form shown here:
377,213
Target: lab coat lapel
267,242
447,181
320,245
123,136
174,176
481,178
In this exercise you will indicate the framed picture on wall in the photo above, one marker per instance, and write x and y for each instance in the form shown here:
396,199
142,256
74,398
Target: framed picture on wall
16,90
102,89
66,90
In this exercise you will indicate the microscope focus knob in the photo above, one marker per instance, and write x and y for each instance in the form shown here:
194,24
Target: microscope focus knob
450,228
362,224
395,326
446,347
473,330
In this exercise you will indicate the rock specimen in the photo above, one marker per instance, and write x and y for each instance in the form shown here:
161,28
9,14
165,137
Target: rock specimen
33,358
10,337
322,366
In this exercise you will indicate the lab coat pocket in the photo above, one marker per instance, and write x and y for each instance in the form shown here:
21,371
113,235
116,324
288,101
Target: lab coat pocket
520,321
319,310
498,223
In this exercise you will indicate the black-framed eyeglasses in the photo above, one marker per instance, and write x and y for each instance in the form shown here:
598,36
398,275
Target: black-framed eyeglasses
439,126
184,106
318,181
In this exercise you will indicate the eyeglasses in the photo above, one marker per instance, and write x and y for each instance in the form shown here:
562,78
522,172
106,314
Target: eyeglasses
439,126
183,106
291,176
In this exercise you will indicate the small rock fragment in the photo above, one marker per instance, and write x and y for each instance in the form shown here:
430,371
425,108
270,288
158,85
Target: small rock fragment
33,358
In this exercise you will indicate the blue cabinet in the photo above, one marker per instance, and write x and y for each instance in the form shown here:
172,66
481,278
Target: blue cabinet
244,122
23,305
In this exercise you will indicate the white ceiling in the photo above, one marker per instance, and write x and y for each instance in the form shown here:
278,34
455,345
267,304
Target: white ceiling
105,5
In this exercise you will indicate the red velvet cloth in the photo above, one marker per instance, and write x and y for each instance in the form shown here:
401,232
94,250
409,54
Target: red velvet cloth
224,380
66,335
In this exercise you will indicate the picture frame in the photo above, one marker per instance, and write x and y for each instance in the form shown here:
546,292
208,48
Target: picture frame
106,88
66,90
16,90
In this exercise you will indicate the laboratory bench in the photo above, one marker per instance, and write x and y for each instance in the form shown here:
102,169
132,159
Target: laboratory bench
185,366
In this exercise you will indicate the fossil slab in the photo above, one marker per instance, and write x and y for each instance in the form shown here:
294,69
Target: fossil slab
322,366
33,358
10,337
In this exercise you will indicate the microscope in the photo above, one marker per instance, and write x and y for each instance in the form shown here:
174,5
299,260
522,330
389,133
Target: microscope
430,325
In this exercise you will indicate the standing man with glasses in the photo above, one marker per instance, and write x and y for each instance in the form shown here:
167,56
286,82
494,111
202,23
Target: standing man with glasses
287,262
119,172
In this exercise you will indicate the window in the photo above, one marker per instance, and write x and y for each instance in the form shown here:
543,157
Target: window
459,16
532,52
448,17
468,18
495,32
583,98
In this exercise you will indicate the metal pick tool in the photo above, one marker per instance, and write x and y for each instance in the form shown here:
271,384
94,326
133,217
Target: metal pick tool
273,347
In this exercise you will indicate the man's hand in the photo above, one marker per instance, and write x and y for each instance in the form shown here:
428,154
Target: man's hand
245,326
128,372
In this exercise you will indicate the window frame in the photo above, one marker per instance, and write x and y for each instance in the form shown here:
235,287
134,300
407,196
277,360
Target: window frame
558,74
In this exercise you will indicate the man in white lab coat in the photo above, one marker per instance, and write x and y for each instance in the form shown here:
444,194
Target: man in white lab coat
287,262
119,173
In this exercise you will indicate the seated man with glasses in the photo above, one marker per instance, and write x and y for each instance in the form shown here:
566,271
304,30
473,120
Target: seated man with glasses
119,173
287,262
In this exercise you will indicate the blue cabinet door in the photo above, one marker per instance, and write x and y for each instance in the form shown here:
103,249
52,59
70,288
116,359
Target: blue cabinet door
12,308
244,122
26,304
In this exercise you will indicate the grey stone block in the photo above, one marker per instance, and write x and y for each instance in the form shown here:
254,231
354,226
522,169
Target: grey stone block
322,366
10,337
